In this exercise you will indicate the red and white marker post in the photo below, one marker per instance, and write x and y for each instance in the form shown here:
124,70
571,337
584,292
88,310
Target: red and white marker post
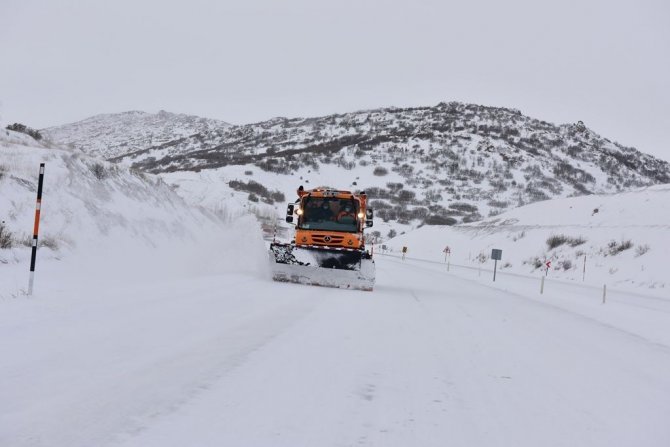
36,229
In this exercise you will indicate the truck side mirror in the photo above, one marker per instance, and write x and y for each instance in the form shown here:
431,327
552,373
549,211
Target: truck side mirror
289,212
369,215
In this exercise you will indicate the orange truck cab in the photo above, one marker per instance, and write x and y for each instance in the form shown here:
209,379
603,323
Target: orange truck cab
328,218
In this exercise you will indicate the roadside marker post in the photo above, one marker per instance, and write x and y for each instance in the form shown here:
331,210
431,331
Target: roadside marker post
604,293
584,271
36,227
404,252
447,256
542,286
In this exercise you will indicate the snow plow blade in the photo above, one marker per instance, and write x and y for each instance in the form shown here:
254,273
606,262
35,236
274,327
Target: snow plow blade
322,267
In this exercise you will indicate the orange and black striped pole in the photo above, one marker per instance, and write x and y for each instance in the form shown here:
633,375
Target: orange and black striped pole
36,228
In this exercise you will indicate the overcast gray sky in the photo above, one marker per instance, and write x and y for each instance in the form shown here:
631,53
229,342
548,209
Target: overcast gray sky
604,62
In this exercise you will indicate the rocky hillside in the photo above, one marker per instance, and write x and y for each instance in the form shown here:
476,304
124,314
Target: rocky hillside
445,164
111,135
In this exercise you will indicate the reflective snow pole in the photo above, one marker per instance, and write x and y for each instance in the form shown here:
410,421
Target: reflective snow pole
36,228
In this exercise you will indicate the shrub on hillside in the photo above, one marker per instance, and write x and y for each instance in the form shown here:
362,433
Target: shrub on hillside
6,237
18,127
49,241
614,247
641,249
557,240
465,207
405,196
536,262
394,187
99,171
253,187
439,220
433,195
474,217
380,171
498,203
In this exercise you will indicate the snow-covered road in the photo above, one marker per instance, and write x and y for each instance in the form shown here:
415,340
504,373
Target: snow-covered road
426,359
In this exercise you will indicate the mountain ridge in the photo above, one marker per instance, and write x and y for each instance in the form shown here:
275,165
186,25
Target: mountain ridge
443,164
110,134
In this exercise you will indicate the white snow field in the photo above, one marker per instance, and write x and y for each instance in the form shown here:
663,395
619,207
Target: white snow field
625,238
428,358
156,324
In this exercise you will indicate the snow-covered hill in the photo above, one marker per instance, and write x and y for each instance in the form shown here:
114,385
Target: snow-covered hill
114,134
101,217
624,237
451,163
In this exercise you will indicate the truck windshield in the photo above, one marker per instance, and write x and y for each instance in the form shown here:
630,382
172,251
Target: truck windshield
329,213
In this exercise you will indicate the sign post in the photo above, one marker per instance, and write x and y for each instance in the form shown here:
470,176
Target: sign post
496,255
447,256
548,264
404,252
36,228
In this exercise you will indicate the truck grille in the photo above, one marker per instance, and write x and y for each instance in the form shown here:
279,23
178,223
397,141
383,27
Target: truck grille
327,240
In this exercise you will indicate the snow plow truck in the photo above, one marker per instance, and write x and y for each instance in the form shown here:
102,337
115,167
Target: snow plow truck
328,247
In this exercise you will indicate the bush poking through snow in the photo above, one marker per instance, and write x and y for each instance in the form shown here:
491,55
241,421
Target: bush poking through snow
557,240
519,236
18,127
6,237
614,247
380,171
439,220
575,241
258,190
641,249
49,242
99,171
535,261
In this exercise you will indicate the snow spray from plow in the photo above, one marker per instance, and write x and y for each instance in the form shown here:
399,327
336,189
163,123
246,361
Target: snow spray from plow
346,270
